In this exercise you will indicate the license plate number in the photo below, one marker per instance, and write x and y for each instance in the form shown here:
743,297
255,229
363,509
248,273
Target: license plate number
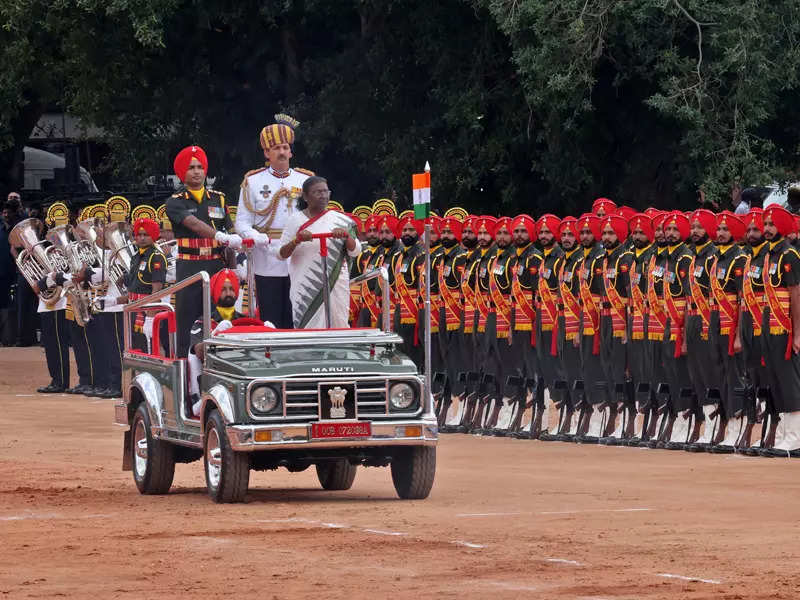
340,430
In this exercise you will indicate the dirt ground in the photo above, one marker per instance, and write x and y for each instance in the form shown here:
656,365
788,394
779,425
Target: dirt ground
506,519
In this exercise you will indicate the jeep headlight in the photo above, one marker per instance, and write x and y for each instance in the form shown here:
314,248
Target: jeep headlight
264,399
401,396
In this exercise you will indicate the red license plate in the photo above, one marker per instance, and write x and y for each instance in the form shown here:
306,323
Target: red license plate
341,430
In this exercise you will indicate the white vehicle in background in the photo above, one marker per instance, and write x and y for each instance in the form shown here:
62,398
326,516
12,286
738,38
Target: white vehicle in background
41,166
778,193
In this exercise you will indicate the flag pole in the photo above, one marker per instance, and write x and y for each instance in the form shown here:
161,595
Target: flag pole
428,391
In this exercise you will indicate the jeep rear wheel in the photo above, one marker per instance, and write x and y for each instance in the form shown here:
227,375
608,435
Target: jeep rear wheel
336,475
227,472
153,460
413,471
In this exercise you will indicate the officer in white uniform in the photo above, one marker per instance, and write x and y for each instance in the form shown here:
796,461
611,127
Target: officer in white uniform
267,197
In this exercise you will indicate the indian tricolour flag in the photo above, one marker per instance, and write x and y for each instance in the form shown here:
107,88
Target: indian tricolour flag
421,182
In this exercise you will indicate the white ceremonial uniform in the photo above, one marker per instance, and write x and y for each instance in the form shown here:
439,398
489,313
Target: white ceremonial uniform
259,190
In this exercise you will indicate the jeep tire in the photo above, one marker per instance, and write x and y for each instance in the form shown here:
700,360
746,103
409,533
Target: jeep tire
153,460
413,471
227,472
336,475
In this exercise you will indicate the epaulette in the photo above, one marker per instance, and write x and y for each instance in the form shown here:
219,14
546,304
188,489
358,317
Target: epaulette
253,172
178,195
304,171
217,192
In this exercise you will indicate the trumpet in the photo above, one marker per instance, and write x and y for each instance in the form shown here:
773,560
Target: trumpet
117,237
76,255
35,261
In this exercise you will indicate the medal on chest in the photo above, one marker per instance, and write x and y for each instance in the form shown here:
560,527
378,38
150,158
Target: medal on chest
636,279
611,273
215,212
447,270
498,269
773,268
404,266
670,277
754,273
698,272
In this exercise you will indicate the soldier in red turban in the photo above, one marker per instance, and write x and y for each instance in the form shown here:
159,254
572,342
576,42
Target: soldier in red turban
704,367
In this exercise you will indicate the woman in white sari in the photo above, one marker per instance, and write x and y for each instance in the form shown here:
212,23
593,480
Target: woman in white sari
305,263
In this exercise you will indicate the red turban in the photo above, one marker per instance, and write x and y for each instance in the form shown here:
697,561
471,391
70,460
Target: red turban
372,221
500,224
643,222
150,226
796,223
618,223
485,222
651,212
218,282
707,220
471,222
735,225
552,222
454,225
590,221
436,224
388,220
527,222
782,218
607,205
754,217
680,220
568,224
626,211
184,158
658,220
401,224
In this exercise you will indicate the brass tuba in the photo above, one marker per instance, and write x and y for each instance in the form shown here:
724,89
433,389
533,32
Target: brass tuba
117,236
76,258
35,261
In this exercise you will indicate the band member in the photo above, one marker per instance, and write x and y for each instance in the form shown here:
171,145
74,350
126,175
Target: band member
703,367
55,335
147,275
781,329
303,253
199,221
267,199
727,274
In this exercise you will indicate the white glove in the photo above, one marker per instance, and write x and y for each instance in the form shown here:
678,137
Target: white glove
262,239
222,326
269,324
108,300
229,239
147,329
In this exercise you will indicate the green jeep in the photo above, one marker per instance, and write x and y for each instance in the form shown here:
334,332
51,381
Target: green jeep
332,398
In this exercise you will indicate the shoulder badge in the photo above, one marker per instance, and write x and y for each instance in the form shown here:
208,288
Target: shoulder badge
304,171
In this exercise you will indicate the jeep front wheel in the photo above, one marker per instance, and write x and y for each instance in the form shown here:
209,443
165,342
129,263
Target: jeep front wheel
336,475
227,472
413,470
153,460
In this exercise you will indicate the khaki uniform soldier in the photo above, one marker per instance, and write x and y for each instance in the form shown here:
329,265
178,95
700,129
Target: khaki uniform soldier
781,331
702,318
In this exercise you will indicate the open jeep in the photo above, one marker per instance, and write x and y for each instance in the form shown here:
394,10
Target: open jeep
331,398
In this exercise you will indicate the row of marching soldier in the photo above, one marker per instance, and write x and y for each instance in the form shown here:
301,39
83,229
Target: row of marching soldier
657,329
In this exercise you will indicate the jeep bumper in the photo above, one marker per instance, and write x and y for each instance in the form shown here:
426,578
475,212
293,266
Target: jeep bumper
248,438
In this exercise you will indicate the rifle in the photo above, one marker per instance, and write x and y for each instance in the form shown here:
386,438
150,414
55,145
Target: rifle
470,379
441,397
